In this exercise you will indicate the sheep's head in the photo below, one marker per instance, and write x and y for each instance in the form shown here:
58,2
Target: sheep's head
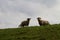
39,18
28,19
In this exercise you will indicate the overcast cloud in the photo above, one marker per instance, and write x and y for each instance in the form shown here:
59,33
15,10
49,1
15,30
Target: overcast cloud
12,12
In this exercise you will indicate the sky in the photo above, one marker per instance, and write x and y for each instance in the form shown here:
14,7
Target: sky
13,12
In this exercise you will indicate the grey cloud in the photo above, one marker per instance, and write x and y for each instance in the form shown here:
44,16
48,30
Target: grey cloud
23,6
14,6
48,3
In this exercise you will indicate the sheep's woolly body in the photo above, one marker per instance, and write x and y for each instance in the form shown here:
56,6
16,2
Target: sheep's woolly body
44,21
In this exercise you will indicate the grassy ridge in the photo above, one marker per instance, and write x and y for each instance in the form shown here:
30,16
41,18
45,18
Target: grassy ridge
51,32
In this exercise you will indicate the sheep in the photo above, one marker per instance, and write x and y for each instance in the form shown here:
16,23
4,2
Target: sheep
25,23
42,22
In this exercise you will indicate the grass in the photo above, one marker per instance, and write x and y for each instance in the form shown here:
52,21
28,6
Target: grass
49,32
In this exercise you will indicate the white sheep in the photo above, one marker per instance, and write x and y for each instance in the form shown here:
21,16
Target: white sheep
42,22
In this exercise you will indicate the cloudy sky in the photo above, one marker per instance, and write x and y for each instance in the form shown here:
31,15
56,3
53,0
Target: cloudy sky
12,12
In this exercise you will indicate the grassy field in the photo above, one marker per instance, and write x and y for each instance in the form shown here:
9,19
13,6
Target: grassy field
49,32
